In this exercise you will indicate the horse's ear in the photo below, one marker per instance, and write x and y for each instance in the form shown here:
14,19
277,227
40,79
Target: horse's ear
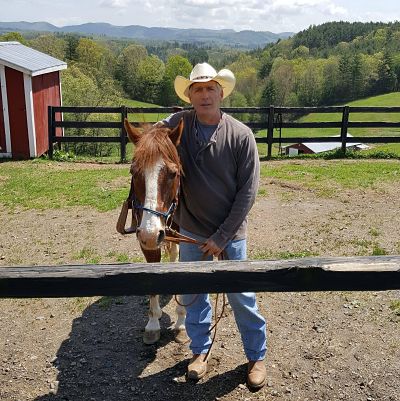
176,134
133,133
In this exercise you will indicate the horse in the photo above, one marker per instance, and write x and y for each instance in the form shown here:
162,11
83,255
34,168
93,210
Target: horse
153,197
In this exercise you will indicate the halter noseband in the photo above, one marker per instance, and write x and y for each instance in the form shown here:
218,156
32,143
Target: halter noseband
166,215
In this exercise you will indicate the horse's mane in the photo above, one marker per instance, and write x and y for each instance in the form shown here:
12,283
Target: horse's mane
153,144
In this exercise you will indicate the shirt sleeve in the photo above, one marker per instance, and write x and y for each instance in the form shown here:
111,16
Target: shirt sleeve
248,173
173,119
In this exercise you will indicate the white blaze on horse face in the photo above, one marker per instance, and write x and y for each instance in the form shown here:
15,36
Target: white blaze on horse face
150,225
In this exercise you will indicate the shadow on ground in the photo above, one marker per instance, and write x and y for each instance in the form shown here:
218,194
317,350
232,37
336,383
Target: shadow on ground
104,359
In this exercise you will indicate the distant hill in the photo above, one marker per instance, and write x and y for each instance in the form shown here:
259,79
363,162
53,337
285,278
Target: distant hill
227,37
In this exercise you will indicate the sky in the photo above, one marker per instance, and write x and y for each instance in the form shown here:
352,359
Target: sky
257,15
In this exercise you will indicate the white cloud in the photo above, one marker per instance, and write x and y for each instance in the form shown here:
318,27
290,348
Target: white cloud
115,3
259,15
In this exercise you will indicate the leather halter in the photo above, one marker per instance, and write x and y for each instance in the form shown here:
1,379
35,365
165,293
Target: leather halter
132,203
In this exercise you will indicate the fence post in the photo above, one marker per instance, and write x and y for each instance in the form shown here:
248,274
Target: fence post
51,127
343,129
270,132
124,115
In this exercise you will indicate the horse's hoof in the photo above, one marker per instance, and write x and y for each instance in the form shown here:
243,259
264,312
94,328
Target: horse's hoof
151,337
181,336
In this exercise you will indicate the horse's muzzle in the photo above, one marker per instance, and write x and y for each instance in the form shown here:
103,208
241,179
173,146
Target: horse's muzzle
150,240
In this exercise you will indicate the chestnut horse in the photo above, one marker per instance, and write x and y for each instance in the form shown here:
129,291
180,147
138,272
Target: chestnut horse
155,170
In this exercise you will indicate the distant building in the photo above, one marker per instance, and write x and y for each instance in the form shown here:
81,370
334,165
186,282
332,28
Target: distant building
30,82
319,147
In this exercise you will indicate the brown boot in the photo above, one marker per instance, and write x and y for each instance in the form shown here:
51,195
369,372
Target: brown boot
197,367
256,374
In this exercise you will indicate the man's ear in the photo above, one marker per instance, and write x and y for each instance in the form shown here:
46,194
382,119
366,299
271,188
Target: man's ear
133,133
176,134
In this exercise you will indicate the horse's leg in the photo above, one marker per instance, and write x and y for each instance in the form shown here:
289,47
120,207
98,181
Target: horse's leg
179,328
152,329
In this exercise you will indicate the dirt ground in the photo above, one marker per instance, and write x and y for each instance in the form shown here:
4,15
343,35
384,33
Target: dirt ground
321,346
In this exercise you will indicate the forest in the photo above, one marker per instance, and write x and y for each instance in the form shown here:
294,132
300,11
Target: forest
327,64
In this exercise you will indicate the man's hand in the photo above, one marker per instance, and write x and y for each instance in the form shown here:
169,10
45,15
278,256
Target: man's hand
211,248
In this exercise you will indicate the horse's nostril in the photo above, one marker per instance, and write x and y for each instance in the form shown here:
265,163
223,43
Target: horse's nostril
161,236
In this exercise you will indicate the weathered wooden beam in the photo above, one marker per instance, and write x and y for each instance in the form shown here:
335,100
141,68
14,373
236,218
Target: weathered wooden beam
308,274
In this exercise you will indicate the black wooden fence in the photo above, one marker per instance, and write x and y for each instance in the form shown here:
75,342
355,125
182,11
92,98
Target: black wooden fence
270,119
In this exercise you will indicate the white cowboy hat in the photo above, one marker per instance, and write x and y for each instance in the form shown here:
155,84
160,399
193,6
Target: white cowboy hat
203,72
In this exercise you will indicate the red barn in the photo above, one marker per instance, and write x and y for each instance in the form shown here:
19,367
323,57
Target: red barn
30,82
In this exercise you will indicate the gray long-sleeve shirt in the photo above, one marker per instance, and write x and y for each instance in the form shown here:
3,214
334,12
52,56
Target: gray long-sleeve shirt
220,179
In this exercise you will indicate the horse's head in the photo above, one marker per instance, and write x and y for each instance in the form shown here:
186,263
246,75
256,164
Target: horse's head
155,173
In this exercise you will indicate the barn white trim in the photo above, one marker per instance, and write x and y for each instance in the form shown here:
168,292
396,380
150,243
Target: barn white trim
30,115
6,117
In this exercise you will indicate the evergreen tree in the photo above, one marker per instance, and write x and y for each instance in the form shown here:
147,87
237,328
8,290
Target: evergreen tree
386,76
268,95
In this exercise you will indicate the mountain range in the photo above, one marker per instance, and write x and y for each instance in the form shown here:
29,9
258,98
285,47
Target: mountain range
225,37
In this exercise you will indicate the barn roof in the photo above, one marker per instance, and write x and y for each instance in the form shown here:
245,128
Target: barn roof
28,60
318,147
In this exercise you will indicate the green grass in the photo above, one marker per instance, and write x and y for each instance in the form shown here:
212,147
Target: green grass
49,185
89,255
43,185
266,254
329,176
377,250
143,117
386,100
395,307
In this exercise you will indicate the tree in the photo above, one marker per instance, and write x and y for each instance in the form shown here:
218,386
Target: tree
356,77
150,73
176,65
13,37
309,87
245,69
197,55
127,68
386,76
300,52
269,95
89,52
72,42
50,45
266,62
283,75
345,78
330,81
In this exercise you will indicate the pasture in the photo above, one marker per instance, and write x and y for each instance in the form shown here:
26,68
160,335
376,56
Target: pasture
327,346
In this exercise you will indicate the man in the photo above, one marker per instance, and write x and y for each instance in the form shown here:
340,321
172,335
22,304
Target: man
219,186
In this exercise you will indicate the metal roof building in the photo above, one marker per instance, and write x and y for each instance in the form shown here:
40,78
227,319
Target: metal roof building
319,147
30,82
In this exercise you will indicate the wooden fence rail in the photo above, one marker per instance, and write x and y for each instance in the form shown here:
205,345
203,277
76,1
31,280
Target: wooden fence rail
271,119
375,273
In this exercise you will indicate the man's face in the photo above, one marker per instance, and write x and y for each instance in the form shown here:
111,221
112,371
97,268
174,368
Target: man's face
206,97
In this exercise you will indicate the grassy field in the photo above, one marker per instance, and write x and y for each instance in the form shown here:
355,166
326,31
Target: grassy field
48,185
143,117
41,184
387,100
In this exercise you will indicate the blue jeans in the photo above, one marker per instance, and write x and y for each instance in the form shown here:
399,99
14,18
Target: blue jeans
251,324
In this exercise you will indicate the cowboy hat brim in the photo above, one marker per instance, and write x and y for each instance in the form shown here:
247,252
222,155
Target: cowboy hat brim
224,77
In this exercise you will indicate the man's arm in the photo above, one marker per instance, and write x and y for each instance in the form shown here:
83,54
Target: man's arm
248,173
